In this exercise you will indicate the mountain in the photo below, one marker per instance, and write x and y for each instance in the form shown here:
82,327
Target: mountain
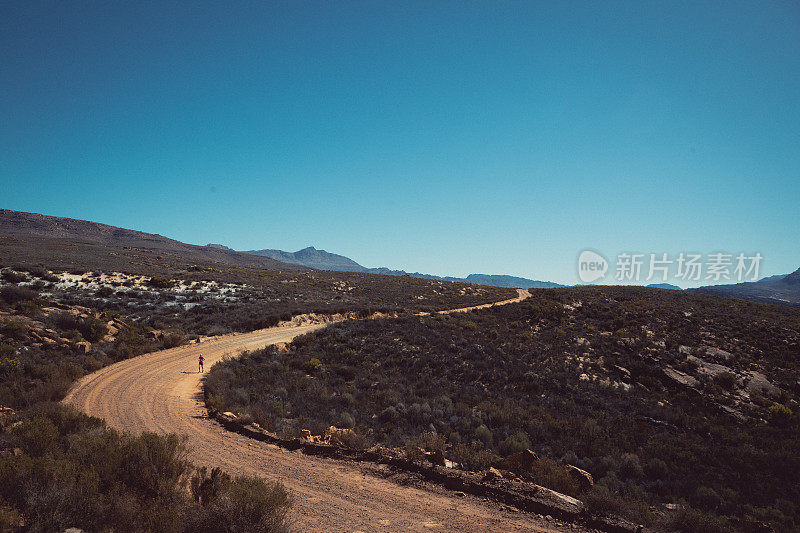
322,260
311,257
496,280
21,225
668,286
784,289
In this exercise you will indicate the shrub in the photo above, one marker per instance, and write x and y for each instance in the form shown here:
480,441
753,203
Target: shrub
161,282
726,380
779,415
36,436
690,520
313,364
93,329
600,501
12,294
706,498
483,434
14,330
246,504
13,277
629,466
205,488
515,443
473,457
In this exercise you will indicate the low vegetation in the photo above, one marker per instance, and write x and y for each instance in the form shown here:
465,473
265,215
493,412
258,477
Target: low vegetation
61,469
663,396
216,297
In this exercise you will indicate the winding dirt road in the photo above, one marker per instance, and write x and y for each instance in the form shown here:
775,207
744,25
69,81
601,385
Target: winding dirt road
161,392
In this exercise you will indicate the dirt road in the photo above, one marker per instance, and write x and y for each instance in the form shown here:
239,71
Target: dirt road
161,392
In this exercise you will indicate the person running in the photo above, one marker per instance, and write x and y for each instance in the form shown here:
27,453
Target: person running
200,361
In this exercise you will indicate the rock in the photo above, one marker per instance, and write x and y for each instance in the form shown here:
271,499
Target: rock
522,461
716,352
583,478
625,371
84,345
758,382
711,369
492,474
680,377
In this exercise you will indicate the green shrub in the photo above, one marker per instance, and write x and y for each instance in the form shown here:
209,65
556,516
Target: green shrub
780,415
473,457
515,443
36,436
14,330
313,364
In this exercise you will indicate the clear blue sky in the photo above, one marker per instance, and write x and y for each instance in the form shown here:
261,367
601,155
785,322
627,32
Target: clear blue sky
449,138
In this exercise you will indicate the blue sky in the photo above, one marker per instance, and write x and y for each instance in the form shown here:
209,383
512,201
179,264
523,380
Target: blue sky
449,138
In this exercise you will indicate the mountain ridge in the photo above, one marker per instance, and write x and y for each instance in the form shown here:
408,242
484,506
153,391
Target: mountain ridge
783,289
322,260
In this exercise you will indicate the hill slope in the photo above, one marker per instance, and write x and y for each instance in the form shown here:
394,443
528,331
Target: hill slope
659,394
33,225
775,289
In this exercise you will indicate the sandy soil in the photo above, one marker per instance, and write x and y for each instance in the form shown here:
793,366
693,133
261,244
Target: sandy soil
161,392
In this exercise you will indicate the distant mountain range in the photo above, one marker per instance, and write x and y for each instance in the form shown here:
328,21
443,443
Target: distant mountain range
783,289
322,260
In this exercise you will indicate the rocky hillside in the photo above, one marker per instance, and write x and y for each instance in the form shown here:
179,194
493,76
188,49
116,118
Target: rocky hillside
775,289
666,398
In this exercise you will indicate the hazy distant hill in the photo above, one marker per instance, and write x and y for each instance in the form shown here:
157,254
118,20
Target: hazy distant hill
311,257
32,225
784,289
668,286
497,280
322,260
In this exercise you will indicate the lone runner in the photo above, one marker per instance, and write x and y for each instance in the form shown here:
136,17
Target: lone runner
200,361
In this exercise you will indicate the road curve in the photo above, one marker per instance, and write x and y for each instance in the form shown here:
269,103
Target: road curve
161,392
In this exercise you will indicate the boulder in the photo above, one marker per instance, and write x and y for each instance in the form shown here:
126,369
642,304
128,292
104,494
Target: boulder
583,478
522,461
86,346
492,474
758,382
680,377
